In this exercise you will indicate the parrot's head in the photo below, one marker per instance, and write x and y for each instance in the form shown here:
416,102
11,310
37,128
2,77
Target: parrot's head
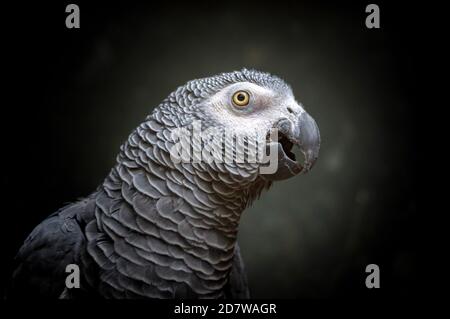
257,106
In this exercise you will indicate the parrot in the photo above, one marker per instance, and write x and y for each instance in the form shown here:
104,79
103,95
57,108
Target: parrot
163,227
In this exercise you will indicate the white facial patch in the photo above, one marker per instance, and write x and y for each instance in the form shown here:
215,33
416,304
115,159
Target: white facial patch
263,110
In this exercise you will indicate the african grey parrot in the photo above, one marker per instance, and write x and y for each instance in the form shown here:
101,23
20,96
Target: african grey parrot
161,228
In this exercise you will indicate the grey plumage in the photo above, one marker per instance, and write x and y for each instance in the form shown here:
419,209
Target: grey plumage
154,228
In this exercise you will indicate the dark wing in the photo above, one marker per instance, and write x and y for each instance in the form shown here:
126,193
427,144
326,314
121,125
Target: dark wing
237,287
51,246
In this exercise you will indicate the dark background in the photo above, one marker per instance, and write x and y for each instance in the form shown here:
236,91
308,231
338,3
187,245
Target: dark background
73,96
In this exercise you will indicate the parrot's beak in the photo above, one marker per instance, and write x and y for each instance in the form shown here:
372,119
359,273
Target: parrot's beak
307,137
302,133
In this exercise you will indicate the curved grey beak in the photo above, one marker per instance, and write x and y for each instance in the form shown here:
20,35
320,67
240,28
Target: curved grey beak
302,133
307,137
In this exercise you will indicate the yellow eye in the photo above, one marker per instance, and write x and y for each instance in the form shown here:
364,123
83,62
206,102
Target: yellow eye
241,98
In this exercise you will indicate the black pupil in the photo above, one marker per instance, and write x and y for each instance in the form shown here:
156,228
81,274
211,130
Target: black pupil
241,97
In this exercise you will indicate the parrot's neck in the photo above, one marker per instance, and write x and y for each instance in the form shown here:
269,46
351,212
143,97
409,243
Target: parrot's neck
177,221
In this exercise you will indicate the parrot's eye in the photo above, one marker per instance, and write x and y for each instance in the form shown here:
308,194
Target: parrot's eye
241,98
